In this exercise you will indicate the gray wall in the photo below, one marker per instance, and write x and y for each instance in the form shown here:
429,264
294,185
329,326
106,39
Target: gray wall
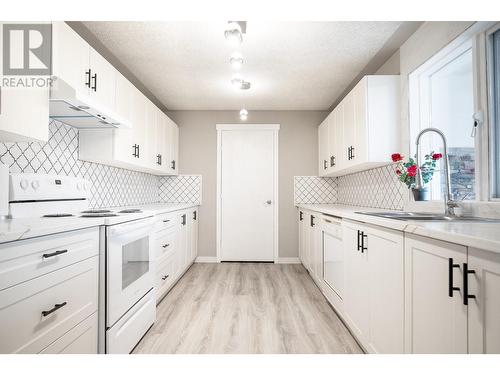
298,151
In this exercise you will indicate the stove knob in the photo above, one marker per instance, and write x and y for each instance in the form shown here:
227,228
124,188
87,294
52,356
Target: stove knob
24,184
35,184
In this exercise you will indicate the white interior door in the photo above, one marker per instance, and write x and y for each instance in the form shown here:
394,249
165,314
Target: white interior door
247,162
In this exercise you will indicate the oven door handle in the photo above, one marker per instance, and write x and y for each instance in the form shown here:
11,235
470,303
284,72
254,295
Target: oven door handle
119,229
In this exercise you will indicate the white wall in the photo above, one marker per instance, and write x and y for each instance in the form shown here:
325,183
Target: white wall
298,150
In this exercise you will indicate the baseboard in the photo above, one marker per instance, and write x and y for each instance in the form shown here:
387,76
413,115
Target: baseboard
206,260
291,260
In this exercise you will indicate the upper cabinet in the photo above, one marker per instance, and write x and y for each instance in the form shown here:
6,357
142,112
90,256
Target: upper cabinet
362,130
149,141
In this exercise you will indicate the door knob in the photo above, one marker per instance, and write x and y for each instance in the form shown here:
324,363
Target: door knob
269,202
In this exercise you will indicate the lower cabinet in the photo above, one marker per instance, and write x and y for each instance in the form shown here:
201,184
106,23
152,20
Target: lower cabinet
176,243
436,318
49,305
452,298
373,287
484,307
404,293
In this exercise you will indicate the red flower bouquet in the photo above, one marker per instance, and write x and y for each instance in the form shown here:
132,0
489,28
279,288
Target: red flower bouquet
407,171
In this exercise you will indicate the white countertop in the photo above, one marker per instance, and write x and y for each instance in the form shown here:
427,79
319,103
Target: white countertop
485,236
23,228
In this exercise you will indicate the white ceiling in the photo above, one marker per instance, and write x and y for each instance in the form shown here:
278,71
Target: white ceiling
291,65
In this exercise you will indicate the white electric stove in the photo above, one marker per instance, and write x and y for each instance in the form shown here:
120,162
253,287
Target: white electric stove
127,304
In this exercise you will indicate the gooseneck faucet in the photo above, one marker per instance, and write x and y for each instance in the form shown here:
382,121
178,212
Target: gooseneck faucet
449,203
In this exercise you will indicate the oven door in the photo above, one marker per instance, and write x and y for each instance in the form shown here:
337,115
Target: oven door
129,266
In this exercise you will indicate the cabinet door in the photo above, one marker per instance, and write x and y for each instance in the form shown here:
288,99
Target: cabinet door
332,142
385,248
194,234
484,309
301,235
18,124
323,157
349,130
356,283
174,150
360,124
161,140
139,127
307,245
340,153
103,81
124,138
314,247
70,58
435,321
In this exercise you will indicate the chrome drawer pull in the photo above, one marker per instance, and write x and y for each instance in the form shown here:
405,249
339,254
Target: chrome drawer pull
56,307
165,277
166,245
55,253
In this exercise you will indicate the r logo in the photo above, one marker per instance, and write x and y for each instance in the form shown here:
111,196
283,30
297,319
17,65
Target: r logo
27,49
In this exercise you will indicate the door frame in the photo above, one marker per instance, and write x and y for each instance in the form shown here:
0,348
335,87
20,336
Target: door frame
231,127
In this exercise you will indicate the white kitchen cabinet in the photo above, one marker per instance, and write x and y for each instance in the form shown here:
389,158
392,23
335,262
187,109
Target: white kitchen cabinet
71,58
373,286
385,249
436,318
102,80
302,236
356,285
176,243
193,230
174,147
315,248
323,148
364,130
484,307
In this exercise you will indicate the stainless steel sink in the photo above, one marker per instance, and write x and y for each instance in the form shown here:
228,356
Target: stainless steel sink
420,216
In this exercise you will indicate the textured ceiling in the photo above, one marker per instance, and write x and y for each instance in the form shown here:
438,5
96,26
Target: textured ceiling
291,65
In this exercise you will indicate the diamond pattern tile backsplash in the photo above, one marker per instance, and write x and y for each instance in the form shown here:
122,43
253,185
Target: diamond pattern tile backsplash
377,188
312,189
110,186
180,189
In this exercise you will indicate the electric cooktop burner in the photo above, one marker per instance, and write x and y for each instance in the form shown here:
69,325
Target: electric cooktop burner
99,214
130,211
57,215
96,211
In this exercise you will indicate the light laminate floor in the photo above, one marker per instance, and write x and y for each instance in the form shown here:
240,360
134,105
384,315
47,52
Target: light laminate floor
246,308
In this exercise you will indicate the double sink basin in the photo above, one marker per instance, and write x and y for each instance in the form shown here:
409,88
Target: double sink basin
419,216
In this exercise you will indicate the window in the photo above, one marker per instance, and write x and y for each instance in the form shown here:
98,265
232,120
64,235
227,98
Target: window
494,105
442,97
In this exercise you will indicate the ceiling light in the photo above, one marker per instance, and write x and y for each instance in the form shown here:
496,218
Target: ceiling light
233,33
236,61
243,115
237,81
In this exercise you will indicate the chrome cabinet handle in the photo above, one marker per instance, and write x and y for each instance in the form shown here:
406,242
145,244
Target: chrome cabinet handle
165,277
165,246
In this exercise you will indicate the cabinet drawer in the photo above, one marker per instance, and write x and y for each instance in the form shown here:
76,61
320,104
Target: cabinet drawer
24,327
165,244
24,260
165,221
166,271
80,340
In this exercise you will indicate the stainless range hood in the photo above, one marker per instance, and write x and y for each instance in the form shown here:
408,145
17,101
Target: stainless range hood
76,109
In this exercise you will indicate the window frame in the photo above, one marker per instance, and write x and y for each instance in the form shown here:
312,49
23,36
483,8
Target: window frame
477,33
493,174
